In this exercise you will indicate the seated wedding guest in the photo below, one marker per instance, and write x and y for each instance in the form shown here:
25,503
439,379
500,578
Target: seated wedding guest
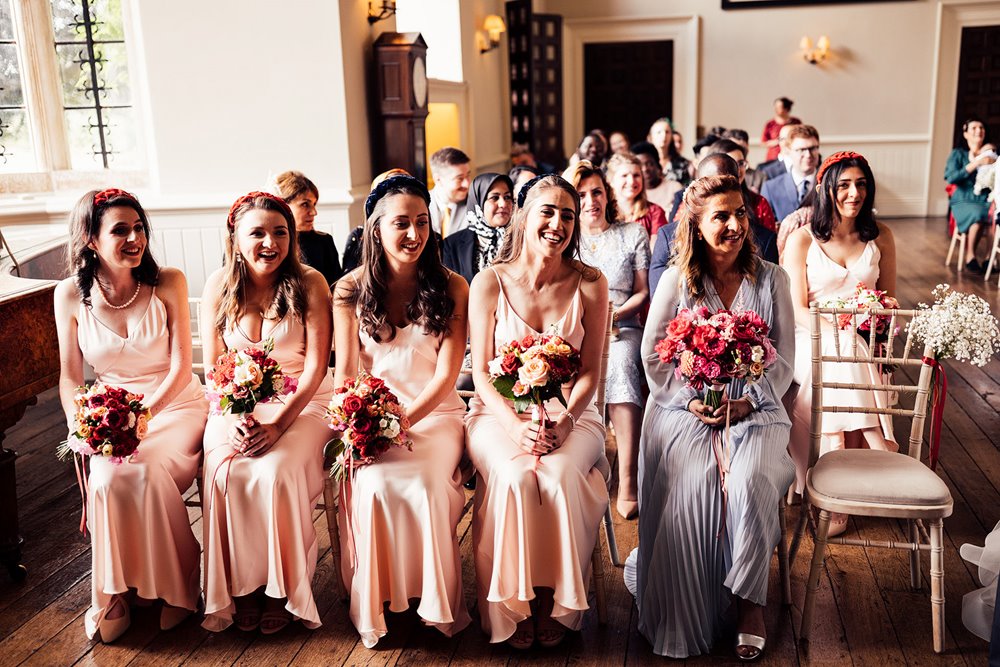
717,164
702,545
753,178
970,209
800,217
618,142
786,192
621,251
128,319
490,206
541,495
593,148
702,145
625,176
757,207
264,471
782,116
843,246
658,190
450,170
317,248
675,166
781,164
520,175
679,142
352,250
401,316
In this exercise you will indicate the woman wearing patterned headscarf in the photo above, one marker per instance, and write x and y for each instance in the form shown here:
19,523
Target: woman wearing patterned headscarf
491,204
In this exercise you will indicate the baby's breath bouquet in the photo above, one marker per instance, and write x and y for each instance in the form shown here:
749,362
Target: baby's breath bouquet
958,326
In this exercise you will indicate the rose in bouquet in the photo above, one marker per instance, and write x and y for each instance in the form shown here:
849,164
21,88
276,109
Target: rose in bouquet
865,299
240,379
109,421
712,350
371,421
533,370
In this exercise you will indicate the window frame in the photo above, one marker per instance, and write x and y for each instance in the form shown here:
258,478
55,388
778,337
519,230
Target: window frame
42,85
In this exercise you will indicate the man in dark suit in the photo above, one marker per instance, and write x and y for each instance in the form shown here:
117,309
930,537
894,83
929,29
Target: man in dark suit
786,192
716,164
781,164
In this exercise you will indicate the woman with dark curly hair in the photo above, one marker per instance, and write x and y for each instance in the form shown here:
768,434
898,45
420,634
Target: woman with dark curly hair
129,320
401,316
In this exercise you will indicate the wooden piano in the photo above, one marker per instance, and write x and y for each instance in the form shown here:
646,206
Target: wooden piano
29,364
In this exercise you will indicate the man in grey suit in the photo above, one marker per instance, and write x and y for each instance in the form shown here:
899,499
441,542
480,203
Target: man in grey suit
786,192
450,170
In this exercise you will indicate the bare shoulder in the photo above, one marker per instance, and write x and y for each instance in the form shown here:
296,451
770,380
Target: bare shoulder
67,295
213,285
485,285
171,279
314,280
343,287
457,287
594,287
885,238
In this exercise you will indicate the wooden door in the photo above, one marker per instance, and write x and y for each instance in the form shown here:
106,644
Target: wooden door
628,85
979,81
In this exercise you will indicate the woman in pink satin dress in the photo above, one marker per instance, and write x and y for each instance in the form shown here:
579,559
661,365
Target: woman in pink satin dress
401,317
129,320
541,494
262,479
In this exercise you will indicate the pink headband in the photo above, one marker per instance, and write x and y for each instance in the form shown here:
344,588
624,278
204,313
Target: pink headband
249,197
104,196
838,157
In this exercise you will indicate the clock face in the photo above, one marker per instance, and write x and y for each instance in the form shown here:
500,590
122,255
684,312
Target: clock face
419,83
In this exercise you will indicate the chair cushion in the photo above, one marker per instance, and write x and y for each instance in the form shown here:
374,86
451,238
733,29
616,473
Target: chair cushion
866,475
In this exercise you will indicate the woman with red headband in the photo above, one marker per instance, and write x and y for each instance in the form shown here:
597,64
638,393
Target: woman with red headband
263,475
843,246
128,319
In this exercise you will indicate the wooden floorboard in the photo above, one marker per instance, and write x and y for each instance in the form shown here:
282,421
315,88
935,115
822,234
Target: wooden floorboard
865,614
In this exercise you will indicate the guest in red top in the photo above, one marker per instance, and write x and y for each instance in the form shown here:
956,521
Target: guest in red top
624,172
782,116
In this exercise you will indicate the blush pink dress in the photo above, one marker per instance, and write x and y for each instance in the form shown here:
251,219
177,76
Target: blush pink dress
258,510
405,508
519,543
140,534
828,280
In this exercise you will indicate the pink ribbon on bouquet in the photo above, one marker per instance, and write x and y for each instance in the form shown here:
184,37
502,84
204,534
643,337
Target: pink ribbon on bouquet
939,392
538,459
80,464
722,448
228,462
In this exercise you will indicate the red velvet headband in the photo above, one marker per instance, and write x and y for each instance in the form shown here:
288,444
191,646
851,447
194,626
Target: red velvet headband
104,196
249,197
838,157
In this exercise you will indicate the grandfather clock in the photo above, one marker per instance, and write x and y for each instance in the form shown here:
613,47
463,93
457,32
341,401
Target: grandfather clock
401,88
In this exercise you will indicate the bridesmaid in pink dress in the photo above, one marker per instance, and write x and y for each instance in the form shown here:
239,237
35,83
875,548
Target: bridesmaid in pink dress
401,316
536,519
262,480
129,321
842,247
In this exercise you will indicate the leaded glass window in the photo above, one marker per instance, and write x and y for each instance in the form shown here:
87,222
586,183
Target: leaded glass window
16,151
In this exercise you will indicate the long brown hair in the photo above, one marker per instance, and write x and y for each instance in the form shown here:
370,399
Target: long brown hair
85,225
289,291
690,254
640,207
584,169
513,242
432,307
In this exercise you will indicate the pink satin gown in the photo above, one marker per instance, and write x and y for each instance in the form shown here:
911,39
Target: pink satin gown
519,542
258,510
140,534
405,508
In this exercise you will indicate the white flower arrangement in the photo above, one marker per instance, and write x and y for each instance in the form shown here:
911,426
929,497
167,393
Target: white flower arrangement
958,326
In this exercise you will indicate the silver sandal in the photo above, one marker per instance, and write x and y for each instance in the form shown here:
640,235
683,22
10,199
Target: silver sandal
751,641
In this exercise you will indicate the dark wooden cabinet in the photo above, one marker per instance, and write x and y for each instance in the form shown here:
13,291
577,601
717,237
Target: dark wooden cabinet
401,98
536,99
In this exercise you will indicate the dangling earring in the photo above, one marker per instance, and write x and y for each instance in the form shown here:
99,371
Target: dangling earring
239,259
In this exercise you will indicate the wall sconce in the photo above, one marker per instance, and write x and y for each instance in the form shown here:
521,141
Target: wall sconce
378,13
817,55
489,37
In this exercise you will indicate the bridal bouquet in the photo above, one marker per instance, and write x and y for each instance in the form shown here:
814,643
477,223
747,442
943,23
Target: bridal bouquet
240,379
865,299
371,421
712,350
109,421
533,370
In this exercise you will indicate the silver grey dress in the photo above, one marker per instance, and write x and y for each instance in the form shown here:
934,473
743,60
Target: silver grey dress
682,574
619,252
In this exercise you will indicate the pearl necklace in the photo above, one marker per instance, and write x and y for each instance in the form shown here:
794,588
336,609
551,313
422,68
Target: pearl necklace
104,296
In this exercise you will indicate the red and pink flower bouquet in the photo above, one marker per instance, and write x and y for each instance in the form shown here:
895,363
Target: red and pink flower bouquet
109,421
241,379
533,370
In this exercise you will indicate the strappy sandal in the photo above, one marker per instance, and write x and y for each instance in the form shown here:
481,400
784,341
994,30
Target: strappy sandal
111,629
247,618
745,640
524,636
550,633
274,621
